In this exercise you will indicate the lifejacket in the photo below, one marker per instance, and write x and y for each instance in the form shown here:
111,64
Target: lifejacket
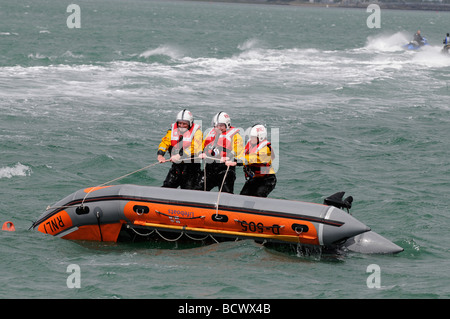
258,169
188,136
224,143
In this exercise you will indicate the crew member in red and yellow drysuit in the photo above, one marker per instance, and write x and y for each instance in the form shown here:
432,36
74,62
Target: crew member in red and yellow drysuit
257,160
222,143
183,141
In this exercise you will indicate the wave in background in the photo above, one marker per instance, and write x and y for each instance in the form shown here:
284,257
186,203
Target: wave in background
308,77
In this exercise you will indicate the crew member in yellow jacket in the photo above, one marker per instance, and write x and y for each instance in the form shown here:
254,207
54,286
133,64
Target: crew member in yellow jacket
257,160
183,141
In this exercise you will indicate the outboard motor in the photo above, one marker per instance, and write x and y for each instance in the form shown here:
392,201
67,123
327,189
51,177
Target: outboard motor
337,200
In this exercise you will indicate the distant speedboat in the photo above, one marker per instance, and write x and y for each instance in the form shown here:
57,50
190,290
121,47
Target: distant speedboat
130,212
414,45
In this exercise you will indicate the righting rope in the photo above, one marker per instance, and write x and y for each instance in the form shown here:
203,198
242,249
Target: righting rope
221,186
101,185
220,192
144,168
134,172
116,179
109,182
204,176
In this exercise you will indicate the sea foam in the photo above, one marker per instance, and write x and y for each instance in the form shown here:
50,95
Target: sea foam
16,170
166,50
387,42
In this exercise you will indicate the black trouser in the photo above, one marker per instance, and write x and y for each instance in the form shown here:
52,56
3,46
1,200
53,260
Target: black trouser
215,172
186,176
259,186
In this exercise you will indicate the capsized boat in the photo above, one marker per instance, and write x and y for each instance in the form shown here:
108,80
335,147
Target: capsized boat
124,212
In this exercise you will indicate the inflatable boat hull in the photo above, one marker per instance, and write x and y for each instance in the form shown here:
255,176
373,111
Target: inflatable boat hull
105,213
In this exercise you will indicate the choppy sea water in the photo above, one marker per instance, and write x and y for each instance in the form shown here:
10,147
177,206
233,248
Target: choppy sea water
355,112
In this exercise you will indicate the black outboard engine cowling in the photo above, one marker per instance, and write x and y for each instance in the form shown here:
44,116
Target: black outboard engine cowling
337,200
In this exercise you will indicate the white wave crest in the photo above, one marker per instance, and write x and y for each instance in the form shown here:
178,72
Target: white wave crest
17,170
387,43
431,57
8,33
69,54
249,44
167,50
37,56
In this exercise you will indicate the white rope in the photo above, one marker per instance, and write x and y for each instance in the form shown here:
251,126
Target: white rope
204,176
167,238
116,179
139,170
220,191
171,240
140,234
204,169
217,242
221,186
193,238
113,180
126,175
55,207
96,187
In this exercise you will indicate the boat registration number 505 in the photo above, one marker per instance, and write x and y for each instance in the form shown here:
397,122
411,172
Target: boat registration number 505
258,227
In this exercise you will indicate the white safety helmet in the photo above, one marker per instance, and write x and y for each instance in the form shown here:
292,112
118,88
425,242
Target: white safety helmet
185,115
258,131
221,118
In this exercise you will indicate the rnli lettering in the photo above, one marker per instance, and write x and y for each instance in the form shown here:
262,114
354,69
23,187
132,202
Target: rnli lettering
258,227
54,224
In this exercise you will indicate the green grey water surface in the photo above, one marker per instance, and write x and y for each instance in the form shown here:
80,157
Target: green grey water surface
355,112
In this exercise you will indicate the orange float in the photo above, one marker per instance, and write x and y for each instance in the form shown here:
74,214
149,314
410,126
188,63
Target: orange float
8,226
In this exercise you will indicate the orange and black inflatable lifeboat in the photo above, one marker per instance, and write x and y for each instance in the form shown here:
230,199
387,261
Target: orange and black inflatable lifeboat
112,213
